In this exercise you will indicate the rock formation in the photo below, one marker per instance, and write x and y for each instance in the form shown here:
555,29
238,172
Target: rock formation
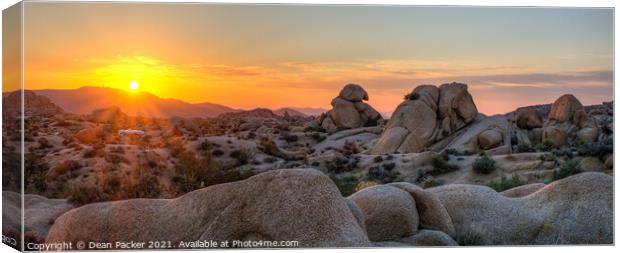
429,114
349,111
294,204
529,119
39,212
390,212
488,134
573,210
568,116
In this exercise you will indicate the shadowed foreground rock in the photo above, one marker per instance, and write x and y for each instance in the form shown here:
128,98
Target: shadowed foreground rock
38,212
295,204
574,210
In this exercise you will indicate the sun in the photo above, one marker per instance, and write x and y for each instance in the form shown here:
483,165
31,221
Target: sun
133,85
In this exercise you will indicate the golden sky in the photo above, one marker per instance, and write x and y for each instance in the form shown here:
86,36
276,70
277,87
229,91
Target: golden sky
273,56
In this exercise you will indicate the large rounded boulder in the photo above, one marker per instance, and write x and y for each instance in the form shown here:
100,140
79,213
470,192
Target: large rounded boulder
574,210
300,205
390,213
529,119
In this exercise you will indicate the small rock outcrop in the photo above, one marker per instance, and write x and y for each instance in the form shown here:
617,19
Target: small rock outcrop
569,116
429,114
488,134
574,210
294,204
349,111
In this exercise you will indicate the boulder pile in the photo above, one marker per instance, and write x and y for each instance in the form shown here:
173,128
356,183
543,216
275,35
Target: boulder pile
568,120
429,114
349,111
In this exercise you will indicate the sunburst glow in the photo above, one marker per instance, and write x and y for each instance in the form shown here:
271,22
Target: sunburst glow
133,85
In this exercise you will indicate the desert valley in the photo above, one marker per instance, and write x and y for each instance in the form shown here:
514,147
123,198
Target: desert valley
106,165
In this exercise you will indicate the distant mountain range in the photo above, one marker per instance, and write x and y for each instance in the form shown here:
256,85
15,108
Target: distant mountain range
87,99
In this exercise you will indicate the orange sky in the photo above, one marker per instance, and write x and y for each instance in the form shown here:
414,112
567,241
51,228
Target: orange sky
277,56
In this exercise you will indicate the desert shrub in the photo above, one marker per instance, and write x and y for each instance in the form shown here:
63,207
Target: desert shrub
11,169
388,166
68,166
269,159
569,168
175,147
43,143
204,145
217,152
545,146
350,148
112,184
548,157
506,183
90,153
83,195
341,164
113,158
471,238
452,151
525,148
118,150
192,173
598,149
347,185
147,186
377,159
35,171
484,165
286,136
241,156
440,166
564,152
382,174
431,182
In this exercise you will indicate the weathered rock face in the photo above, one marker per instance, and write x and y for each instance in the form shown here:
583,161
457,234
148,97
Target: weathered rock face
554,136
490,138
38,212
353,92
349,111
488,134
293,204
427,115
523,190
574,210
568,115
432,213
529,119
390,213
